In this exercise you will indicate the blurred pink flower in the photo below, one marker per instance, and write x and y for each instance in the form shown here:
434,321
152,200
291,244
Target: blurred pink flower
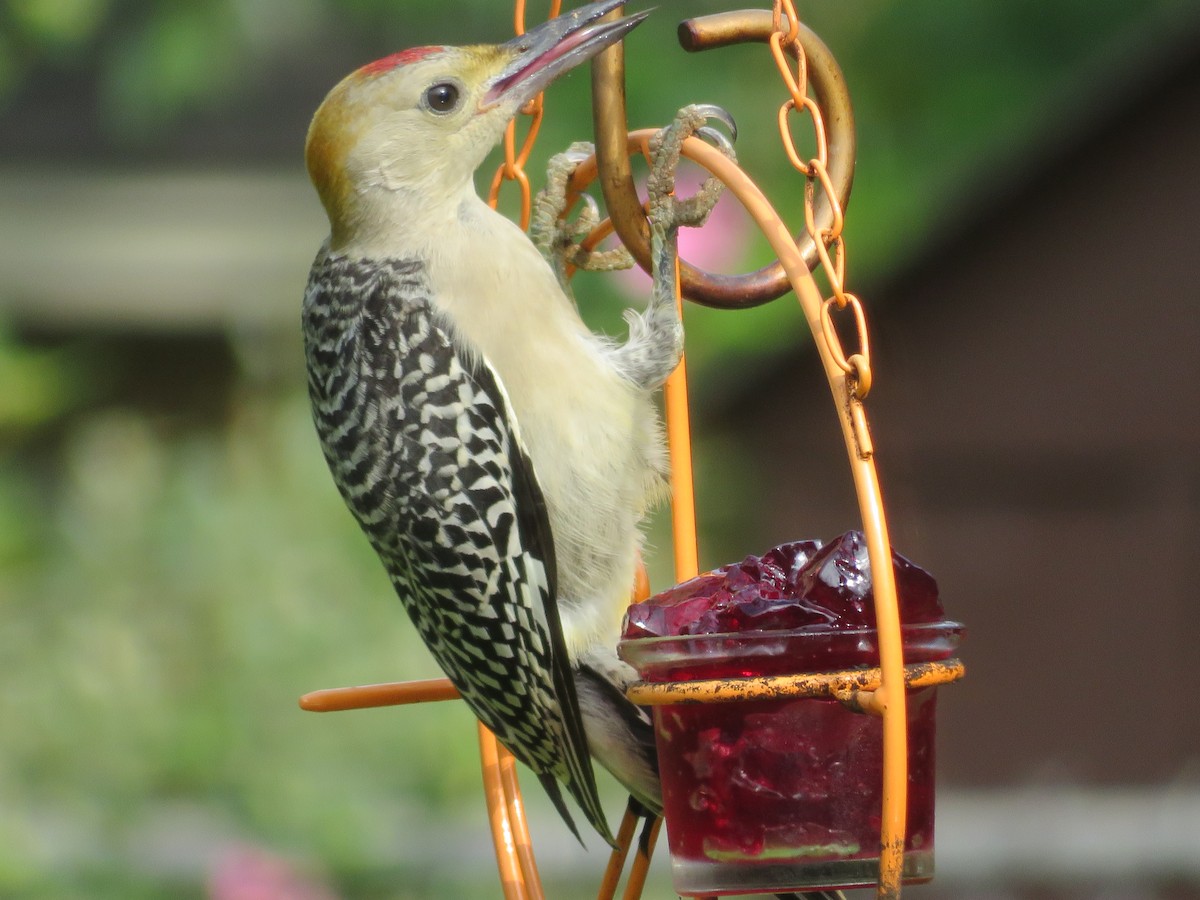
252,873
716,247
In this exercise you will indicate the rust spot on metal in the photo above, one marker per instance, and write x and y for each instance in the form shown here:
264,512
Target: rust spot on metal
848,685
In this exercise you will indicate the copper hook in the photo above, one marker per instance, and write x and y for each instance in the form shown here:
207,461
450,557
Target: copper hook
616,172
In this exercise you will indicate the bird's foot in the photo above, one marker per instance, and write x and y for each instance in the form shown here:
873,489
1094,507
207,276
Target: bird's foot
666,211
561,239
657,332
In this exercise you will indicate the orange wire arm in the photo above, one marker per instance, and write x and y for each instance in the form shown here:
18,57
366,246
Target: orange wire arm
847,383
890,696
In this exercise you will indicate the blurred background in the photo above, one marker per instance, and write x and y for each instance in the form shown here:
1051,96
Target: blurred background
176,568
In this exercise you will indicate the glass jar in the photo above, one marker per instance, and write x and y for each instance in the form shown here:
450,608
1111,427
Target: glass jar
785,794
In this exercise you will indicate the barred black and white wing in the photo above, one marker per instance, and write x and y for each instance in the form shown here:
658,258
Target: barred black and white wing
423,446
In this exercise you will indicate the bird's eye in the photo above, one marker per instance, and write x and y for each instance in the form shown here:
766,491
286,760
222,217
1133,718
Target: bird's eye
442,97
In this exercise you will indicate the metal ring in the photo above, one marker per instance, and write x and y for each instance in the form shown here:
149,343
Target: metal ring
616,172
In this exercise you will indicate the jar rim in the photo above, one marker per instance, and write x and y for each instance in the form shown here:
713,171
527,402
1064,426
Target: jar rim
819,630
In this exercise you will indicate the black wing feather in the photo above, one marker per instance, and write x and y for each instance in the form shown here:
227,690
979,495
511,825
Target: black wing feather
422,443
534,526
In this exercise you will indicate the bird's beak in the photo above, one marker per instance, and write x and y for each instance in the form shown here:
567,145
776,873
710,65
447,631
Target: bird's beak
554,47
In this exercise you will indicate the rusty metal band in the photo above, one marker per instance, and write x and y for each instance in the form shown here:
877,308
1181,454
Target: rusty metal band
823,685
616,173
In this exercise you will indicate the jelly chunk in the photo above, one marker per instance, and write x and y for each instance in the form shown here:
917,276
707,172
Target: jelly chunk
796,585
837,580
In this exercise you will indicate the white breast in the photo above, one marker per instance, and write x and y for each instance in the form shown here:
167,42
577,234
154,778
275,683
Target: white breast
592,436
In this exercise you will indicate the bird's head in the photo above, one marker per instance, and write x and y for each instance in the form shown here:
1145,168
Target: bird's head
413,127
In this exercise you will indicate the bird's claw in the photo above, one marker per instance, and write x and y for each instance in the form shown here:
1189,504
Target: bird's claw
666,210
718,139
559,237
667,213
722,115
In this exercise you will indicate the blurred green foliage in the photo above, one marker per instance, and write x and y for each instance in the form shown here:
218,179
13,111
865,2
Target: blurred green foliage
167,593
39,385
166,600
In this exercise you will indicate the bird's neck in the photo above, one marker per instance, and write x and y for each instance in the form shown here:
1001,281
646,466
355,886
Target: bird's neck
397,221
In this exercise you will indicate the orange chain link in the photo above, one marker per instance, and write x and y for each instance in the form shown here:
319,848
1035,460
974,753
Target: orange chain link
857,378
513,167
856,365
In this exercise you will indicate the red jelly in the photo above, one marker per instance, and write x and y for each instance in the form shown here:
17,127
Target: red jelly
779,795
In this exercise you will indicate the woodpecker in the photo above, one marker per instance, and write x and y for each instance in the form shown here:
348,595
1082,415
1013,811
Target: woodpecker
498,454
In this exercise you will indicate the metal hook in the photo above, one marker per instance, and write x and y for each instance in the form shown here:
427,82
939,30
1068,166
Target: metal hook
616,172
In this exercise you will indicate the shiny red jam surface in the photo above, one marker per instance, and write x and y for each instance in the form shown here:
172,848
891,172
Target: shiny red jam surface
784,794
798,585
